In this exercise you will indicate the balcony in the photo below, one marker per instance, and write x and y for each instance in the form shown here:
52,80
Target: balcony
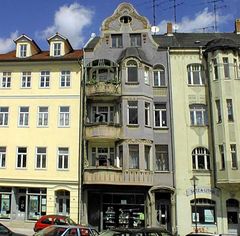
103,89
117,176
103,131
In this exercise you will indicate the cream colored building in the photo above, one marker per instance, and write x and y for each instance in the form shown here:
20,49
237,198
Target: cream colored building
40,130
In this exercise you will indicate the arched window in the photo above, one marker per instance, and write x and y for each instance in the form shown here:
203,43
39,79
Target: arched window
198,114
205,210
132,71
200,159
196,74
159,76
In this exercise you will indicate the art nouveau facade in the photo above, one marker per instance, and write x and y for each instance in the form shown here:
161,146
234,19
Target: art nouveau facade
40,138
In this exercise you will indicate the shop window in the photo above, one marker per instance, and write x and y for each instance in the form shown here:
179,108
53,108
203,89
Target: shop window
205,210
5,205
200,159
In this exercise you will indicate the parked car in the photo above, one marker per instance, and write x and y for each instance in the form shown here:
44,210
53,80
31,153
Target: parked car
201,234
151,231
48,220
67,230
4,230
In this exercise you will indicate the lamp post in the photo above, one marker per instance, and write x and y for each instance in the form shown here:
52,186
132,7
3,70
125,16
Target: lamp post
194,181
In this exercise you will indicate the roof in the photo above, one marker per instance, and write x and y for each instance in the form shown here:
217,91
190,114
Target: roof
133,52
92,43
42,56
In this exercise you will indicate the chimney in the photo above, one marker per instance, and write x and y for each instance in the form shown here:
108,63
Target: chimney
237,26
170,29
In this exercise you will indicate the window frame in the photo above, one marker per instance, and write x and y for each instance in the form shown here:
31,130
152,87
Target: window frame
132,72
43,116
222,156
23,117
219,110
162,158
64,117
162,115
234,159
196,70
117,40
4,116
159,77
26,79
230,113
44,79
21,158
147,114
57,46
65,79
5,80
23,50
197,154
135,40
41,158
3,154
196,110
132,108
63,158
133,151
215,69
226,67
106,116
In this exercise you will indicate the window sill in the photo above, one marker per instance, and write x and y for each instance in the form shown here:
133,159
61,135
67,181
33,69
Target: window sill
196,85
133,125
160,128
199,126
162,171
148,126
132,83
160,87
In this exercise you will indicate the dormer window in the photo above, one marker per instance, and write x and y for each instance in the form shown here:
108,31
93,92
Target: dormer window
23,50
57,49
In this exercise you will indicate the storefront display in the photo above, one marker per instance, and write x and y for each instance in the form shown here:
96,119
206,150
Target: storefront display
5,205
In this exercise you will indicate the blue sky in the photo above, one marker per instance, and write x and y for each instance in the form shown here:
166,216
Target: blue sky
77,19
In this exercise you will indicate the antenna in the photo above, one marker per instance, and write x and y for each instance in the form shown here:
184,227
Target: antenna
154,12
175,5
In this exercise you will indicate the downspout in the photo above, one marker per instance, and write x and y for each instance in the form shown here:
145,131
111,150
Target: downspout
172,134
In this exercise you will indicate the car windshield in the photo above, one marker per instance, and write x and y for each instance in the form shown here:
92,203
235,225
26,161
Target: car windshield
70,221
51,231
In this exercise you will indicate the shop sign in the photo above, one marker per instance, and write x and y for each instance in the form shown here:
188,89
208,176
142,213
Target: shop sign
202,190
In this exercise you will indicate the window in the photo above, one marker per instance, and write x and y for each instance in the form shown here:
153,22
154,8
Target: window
3,116
219,114
64,115
23,50
200,159
26,80
133,156
132,72
160,115
161,152
233,156
132,112
103,156
42,116
135,40
235,65
2,157
23,116
222,156
63,156
6,80
198,114
196,74
65,79
125,19
215,68
205,210
147,157
229,109
21,157
41,157
45,79
146,75
159,76
117,41
102,114
232,211
57,49
226,68
147,114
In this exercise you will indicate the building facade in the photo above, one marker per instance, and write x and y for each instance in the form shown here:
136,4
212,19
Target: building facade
128,167
40,137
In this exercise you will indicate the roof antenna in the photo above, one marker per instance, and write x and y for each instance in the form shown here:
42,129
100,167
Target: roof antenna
175,5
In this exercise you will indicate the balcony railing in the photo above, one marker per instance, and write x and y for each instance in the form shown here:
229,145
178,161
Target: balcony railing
114,175
103,89
101,130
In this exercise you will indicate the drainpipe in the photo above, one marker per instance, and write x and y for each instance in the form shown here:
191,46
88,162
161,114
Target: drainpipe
172,133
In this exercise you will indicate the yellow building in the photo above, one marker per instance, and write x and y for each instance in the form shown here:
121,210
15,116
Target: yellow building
40,141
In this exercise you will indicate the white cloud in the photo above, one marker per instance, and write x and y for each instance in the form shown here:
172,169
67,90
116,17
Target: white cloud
7,44
202,20
69,21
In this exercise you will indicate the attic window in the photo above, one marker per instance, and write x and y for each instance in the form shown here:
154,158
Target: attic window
125,19
57,49
23,50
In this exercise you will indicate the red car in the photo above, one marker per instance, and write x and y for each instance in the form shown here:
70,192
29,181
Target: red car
48,220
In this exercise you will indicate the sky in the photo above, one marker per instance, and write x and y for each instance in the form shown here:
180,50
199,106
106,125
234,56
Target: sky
78,19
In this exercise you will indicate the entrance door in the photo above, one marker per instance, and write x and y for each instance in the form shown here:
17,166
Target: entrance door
21,206
63,202
163,214
232,216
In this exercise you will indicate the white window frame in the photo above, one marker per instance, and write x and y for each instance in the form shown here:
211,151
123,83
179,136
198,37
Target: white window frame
230,110
133,106
215,69
162,112
42,116
23,120
26,79
198,115
4,115
234,159
101,116
132,64
136,40
3,151
41,158
161,157
226,68
222,156
64,116
63,158
133,156
23,50
218,110
147,157
197,153
159,78
44,79
23,158
236,68
117,40
147,114
5,80
198,70
57,49
103,153
65,79
146,75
